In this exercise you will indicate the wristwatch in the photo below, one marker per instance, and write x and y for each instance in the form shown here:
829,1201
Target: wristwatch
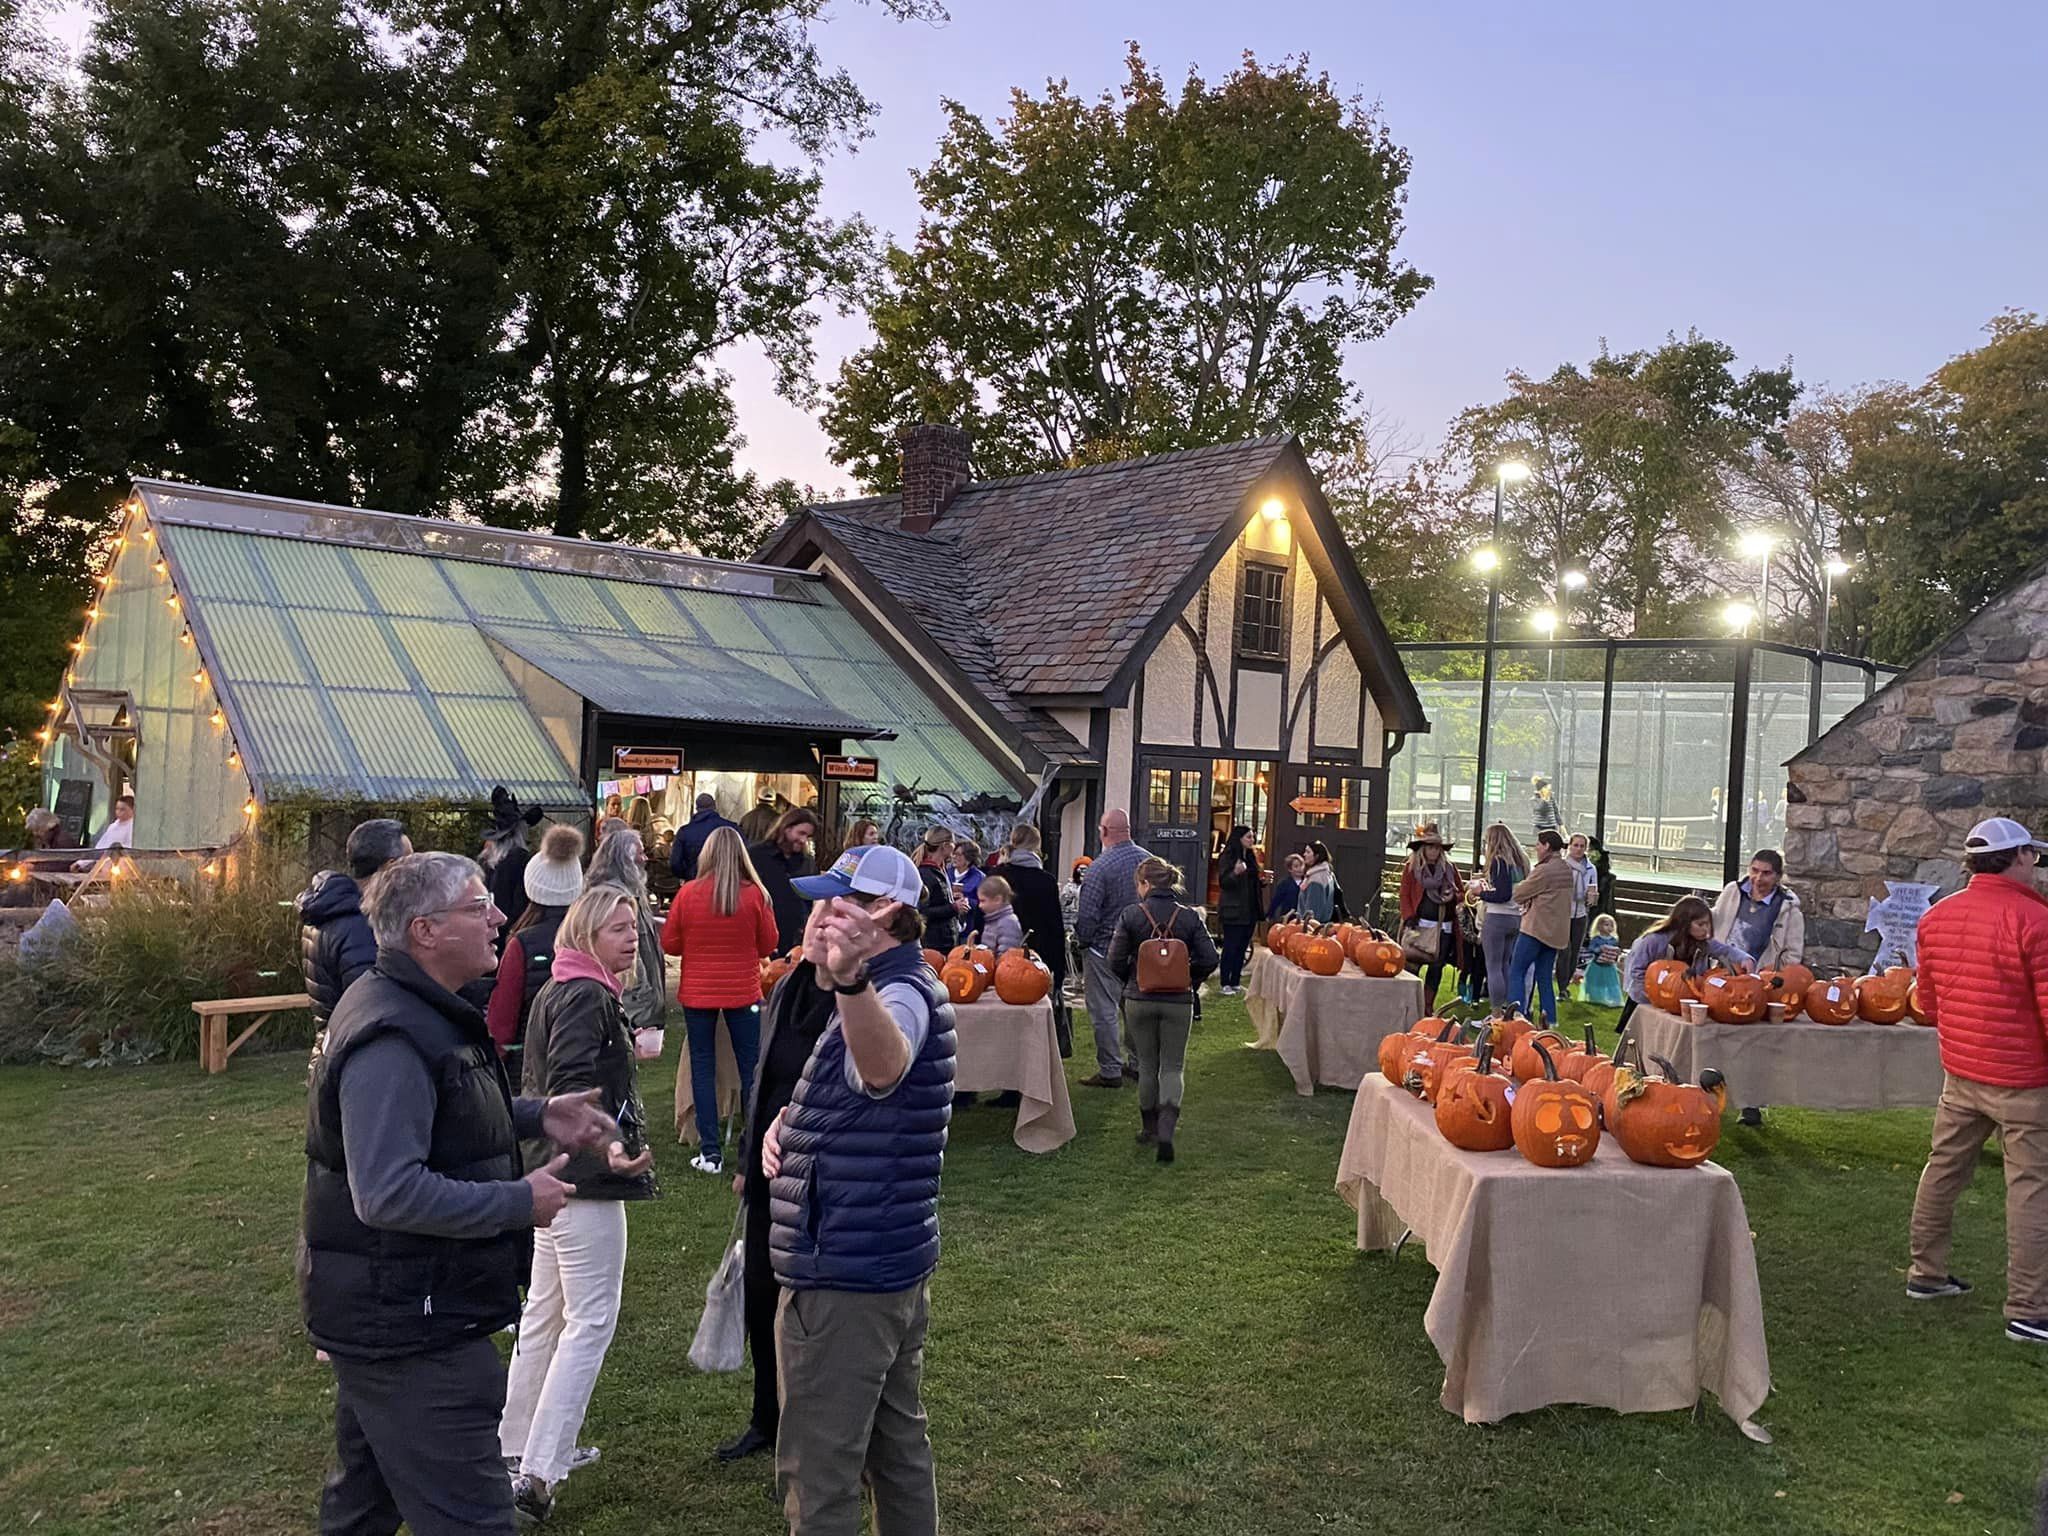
859,984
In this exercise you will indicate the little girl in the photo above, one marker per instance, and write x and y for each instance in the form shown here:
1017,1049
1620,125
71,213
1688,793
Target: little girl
1000,930
1601,963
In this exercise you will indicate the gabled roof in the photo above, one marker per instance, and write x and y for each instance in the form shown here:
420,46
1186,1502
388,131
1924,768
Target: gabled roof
1055,585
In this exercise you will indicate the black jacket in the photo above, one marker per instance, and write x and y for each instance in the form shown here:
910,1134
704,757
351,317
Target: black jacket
796,1016
1138,923
577,1039
1237,886
335,942
776,870
690,840
941,922
1037,906
508,889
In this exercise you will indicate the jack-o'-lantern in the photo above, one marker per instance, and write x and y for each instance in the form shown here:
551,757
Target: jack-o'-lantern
1556,1123
1422,1055
1787,986
1395,1049
1278,935
1321,955
1506,1029
774,968
1436,1063
1474,1110
1344,933
1376,954
936,960
1916,1004
1666,984
1883,998
1578,1060
1733,998
973,954
1295,942
964,980
1526,1061
1832,1001
1021,977
1666,1123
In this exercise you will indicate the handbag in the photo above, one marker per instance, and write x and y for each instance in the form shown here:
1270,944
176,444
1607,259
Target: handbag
1422,942
721,1340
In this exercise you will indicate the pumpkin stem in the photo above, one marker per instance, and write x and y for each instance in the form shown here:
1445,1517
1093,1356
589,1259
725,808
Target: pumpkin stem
1485,1053
1664,1065
1711,1079
1549,1066
1591,1048
1620,1045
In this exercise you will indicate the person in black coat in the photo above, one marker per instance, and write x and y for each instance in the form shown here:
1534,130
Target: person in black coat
780,857
505,855
935,905
335,942
1238,895
1159,1022
692,836
1035,898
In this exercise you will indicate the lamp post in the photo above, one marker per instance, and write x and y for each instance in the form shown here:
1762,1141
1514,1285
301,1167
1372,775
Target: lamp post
1757,545
1508,472
1544,622
1739,616
1830,568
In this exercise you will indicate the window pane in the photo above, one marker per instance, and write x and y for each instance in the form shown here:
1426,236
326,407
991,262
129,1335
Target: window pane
1191,795
1159,794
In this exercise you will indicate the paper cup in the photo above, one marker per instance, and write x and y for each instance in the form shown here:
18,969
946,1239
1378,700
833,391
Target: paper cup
1776,1011
647,1043
1695,1013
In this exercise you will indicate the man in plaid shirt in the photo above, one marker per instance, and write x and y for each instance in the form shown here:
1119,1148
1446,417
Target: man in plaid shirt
1111,886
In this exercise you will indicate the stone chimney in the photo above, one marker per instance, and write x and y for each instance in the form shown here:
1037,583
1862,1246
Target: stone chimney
935,467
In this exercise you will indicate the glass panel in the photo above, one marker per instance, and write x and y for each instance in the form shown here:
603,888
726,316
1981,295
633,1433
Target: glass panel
1842,688
1262,611
1544,754
1190,796
1432,778
1668,765
1159,795
1349,792
1780,690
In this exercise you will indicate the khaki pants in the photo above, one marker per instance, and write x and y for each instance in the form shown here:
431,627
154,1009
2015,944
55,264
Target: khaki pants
1964,1119
850,1367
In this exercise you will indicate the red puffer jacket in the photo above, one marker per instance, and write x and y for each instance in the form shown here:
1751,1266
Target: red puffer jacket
1984,973
721,955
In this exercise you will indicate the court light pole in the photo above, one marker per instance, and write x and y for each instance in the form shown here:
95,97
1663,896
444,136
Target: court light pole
1508,472
1757,545
1830,568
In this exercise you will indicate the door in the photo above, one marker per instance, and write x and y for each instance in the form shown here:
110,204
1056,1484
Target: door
1174,820
1333,805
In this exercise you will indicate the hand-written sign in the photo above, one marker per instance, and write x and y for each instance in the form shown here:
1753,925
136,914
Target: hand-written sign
647,760
853,770
1896,921
1316,805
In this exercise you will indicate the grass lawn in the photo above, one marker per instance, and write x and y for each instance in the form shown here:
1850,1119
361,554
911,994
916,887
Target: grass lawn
1116,1347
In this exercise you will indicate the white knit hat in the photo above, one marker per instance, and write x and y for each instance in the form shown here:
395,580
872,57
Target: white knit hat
554,876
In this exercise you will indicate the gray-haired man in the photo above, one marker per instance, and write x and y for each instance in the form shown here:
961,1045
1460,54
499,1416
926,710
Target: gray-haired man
417,1227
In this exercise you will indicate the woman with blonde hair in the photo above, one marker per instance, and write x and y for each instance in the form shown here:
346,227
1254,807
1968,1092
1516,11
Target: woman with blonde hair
1502,866
721,926
576,1040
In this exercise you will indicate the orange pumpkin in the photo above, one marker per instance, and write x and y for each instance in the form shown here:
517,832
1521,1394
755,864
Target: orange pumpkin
1666,1123
1474,1111
1321,955
1507,1029
1788,985
1376,954
1021,977
935,960
1576,1062
1883,998
1666,984
1733,998
774,968
1277,936
1530,1051
1428,1062
1918,1009
964,980
974,954
1599,1078
1832,1001
1556,1124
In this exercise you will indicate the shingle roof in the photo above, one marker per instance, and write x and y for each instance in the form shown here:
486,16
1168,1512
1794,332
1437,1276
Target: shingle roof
1087,545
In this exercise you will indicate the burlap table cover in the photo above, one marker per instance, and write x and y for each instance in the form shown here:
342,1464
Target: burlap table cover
1613,1285
1803,1064
1010,1047
1327,1029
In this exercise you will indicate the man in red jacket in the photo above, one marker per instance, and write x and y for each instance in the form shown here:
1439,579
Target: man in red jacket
1984,974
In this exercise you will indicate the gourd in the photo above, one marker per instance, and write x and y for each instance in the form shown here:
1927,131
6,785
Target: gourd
1556,1123
1022,978
1665,1123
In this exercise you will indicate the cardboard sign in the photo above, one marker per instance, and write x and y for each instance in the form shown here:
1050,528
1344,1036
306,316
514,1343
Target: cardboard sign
647,760
853,770
1895,919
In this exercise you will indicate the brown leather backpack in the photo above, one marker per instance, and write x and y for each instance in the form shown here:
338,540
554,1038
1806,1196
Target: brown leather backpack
1163,959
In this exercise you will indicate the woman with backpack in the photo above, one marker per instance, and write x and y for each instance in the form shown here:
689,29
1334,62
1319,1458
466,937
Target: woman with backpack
1162,953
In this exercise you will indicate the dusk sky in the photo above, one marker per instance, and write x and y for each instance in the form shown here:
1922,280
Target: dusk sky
1856,186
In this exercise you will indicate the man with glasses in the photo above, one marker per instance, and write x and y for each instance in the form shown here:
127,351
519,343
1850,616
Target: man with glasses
417,1223
1983,971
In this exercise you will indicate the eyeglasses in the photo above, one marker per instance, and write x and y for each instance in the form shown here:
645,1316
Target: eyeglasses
482,906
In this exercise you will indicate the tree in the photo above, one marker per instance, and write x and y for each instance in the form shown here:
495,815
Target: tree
1148,271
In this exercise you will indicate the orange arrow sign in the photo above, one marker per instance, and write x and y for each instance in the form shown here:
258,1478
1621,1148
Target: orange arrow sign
1316,805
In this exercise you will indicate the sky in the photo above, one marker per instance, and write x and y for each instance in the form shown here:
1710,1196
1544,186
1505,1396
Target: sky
1857,187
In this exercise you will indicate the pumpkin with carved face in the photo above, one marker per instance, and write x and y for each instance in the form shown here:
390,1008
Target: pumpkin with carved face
1506,1029
1917,1006
1666,984
1884,998
1428,1057
1665,1123
1396,1049
1788,986
1732,998
1376,954
964,980
1832,1001
1524,1062
1321,955
1556,1123
1474,1110
1437,1063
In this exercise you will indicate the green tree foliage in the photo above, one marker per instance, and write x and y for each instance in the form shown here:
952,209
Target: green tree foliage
1152,270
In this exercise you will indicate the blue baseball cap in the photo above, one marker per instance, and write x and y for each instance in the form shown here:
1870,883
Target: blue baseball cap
874,871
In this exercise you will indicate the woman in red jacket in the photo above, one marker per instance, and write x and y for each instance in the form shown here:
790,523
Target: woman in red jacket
721,926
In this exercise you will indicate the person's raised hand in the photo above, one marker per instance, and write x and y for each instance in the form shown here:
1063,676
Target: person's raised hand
615,1156
854,935
771,1147
550,1194
813,945
577,1120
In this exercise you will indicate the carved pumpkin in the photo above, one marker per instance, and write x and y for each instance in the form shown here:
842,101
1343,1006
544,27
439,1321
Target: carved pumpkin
1556,1124
1599,1078
1473,1110
1437,1063
1424,1054
1918,1009
1665,1123
1506,1030
1344,933
1832,1001
1666,984
774,968
1788,985
1277,936
935,960
1526,1061
1321,955
1883,998
1733,998
974,954
1021,977
1576,1062
965,980
1377,955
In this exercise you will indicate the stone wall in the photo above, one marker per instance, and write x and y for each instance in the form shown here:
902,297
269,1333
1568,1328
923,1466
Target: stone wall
1892,790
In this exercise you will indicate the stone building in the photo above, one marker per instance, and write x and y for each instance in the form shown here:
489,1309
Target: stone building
1891,791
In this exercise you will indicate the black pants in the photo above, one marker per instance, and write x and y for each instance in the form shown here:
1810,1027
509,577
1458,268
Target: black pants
1568,957
761,1293
1237,943
416,1439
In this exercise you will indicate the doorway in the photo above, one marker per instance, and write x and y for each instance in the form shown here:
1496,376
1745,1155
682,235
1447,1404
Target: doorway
1174,816
1333,805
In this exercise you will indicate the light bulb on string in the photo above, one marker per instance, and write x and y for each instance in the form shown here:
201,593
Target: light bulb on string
161,569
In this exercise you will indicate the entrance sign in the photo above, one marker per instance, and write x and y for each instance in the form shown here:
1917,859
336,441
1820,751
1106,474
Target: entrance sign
1316,805
853,770
638,760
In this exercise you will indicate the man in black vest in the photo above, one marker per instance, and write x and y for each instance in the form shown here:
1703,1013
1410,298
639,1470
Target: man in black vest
417,1226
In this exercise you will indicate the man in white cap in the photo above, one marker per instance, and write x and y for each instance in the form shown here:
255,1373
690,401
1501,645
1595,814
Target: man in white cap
853,1167
1983,972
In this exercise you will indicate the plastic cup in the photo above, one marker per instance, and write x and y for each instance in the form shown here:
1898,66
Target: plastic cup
648,1042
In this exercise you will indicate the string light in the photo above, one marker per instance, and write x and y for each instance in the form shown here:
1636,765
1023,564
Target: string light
210,868
219,719
171,601
92,613
161,569
185,638
149,535
199,677
43,735
17,873
234,759
78,645
249,807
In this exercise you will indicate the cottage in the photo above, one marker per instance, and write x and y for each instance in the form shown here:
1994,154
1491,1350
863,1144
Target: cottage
1184,635
1891,791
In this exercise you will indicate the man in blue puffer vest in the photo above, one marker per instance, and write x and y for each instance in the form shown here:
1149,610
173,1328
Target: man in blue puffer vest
853,1165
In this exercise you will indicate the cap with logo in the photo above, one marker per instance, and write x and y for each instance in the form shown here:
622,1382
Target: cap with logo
872,871
1999,834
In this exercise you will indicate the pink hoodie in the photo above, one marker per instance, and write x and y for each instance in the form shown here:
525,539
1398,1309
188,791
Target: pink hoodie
575,965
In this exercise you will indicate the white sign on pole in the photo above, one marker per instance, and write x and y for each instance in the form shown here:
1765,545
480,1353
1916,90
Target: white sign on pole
1895,919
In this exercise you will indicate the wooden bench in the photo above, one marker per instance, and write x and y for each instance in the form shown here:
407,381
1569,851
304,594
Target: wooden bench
214,1047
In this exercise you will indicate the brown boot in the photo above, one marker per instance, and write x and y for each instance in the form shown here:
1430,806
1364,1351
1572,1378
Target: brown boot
1168,1117
1148,1132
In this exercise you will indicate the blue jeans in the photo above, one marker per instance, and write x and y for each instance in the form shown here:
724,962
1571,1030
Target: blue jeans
1237,943
744,1025
1533,952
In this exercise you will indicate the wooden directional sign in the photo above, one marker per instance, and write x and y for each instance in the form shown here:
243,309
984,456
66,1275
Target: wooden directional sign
853,770
1316,805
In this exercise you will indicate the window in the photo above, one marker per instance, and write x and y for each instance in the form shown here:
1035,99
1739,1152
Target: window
1261,613
1159,795
1240,796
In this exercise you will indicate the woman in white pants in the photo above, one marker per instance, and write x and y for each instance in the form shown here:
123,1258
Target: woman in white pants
577,1039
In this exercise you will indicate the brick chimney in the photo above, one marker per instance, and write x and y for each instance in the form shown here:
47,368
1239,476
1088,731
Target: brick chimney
935,467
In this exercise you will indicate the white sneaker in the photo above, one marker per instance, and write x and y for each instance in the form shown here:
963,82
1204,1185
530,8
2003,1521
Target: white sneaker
705,1162
1230,991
